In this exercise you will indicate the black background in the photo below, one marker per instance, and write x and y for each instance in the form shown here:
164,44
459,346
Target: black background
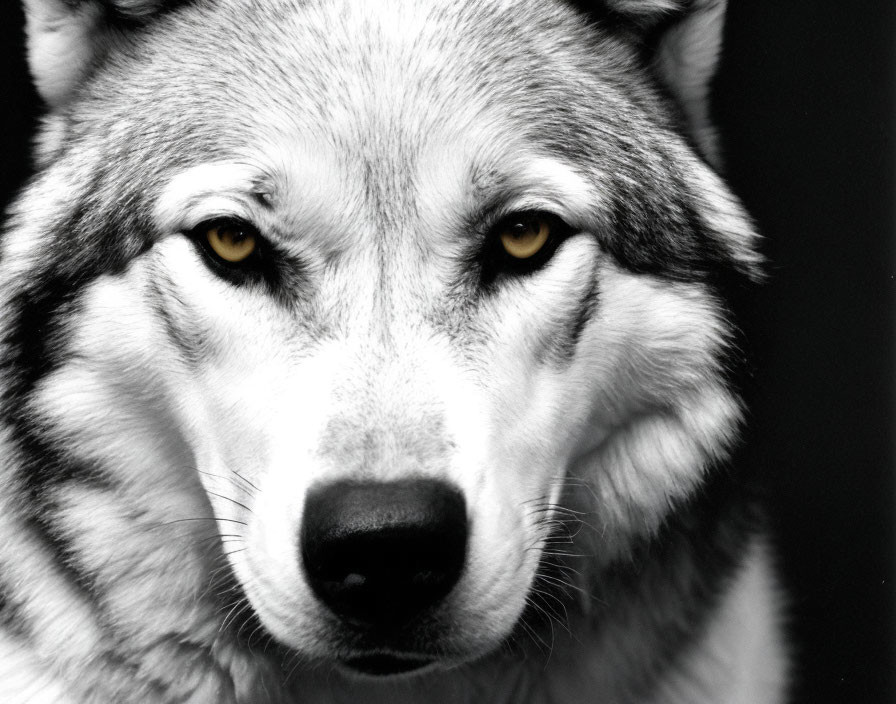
804,100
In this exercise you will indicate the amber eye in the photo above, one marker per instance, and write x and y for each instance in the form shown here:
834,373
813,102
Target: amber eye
524,237
230,242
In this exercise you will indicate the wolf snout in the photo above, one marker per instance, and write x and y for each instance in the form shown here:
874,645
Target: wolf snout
379,554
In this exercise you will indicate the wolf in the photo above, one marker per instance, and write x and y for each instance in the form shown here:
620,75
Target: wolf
379,351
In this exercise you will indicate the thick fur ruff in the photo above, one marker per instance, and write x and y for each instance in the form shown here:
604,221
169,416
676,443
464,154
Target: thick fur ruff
284,262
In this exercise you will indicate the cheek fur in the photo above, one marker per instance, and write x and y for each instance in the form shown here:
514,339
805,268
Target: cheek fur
661,413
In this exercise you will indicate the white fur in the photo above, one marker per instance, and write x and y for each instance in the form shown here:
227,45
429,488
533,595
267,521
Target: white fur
24,679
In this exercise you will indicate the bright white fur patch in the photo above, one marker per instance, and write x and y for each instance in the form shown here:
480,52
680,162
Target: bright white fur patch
564,190
24,679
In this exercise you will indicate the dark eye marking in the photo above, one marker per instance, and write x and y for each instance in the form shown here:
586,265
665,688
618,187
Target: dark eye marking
521,243
234,250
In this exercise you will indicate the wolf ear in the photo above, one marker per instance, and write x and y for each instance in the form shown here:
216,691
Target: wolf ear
67,37
681,40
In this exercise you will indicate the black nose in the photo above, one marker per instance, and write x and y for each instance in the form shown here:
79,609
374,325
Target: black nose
380,553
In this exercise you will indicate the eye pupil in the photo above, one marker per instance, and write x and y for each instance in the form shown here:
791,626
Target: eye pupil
229,236
521,229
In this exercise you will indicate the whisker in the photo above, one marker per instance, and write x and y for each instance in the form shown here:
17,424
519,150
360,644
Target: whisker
236,611
562,583
231,480
550,620
202,518
231,500
533,632
245,480
549,611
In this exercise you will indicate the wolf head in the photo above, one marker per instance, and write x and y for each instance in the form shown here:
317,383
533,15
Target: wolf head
372,299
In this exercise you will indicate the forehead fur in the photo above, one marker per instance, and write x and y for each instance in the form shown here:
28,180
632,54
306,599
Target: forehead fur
378,82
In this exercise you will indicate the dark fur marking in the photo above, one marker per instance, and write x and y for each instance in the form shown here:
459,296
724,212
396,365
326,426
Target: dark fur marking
280,275
664,239
35,345
7,613
560,340
12,620
186,343
644,28
653,225
37,348
135,11
563,348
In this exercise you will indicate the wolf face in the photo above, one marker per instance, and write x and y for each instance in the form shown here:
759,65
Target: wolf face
350,310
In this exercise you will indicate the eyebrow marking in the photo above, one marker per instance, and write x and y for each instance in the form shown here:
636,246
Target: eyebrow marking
558,180
531,181
223,188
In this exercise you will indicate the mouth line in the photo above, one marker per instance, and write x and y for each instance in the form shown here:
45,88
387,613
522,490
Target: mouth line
385,665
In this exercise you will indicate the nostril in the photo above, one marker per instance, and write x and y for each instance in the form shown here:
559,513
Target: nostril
380,553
